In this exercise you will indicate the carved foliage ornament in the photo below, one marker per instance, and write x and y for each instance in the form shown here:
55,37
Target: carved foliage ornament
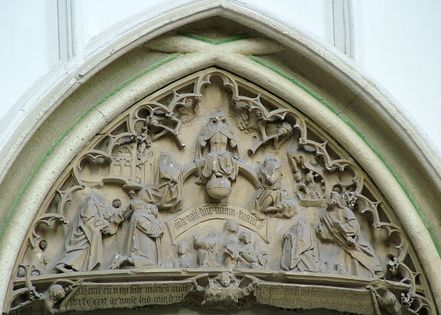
216,177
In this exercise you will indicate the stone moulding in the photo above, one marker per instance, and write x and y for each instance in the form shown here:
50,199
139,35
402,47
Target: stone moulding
76,135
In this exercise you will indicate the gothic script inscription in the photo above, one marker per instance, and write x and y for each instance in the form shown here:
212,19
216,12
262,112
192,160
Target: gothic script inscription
203,213
312,297
113,295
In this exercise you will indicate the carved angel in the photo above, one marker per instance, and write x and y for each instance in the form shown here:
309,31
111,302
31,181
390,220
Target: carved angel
224,291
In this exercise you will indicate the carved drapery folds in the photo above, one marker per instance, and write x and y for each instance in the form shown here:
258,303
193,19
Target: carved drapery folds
214,176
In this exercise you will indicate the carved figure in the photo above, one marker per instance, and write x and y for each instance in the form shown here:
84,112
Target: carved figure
84,241
239,248
142,247
311,185
41,255
216,156
170,183
205,251
250,256
276,131
340,226
185,259
398,271
299,248
143,154
225,290
55,294
143,141
231,242
271,199
160,122
387,301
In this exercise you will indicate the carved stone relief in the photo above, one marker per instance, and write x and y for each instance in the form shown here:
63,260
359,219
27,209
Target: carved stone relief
220,197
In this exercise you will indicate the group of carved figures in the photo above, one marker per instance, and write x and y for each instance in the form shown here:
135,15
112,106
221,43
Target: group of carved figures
338,228
315,214
84,242
217,165
232,248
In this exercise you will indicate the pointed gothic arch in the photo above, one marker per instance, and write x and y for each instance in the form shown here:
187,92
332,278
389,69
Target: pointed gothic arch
282,65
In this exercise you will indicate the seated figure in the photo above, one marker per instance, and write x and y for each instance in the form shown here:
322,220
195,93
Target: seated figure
271,199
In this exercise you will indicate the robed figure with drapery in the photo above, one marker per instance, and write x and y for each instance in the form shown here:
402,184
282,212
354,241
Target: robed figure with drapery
299,252
217,156
142,246
340,226
84,241
216,149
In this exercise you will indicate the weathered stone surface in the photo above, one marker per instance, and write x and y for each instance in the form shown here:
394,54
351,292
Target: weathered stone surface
213,177
103,296
315,297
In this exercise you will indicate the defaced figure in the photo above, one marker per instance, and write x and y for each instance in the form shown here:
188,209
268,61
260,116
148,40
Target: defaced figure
216,156
169,183
250,256
185,259
271,199
206,255
231,243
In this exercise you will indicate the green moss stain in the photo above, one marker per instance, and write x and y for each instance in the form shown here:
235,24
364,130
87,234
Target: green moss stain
68,130
212,41
328,105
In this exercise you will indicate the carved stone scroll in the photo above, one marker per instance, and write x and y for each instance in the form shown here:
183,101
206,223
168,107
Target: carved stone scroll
203,213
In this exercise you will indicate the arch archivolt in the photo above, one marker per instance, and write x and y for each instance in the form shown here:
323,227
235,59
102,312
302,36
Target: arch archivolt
210,181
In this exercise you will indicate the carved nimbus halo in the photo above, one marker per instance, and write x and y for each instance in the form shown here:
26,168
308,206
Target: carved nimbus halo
144,118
